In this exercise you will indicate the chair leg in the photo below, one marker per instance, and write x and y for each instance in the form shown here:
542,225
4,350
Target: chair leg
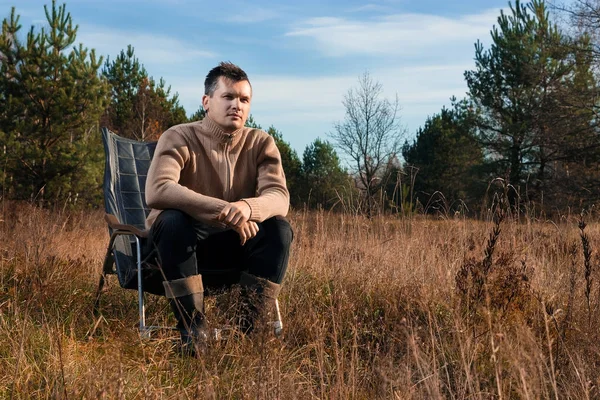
278,323
144,331
106,269
99,293
109,262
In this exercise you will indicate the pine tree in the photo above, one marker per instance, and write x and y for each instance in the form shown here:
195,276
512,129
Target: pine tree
323,179
447,160
51,98
125,75
292,166
140,108
523,91
198,115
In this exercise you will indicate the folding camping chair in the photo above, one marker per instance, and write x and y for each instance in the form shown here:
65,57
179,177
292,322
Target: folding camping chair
127,163
126,168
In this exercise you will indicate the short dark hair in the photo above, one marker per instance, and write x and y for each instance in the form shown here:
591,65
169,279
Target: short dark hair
227,70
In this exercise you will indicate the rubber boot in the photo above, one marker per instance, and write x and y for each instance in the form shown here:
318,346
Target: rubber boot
186,297
259,304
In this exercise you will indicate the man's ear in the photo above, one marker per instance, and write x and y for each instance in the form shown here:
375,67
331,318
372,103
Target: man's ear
205,102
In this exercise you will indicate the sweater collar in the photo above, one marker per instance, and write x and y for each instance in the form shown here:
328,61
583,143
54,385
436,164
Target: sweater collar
214,130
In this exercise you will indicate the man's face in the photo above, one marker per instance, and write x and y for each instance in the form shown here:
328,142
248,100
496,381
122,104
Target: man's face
229,105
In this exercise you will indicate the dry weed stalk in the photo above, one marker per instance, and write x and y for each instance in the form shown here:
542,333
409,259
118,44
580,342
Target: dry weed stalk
472,278
587,263
566,325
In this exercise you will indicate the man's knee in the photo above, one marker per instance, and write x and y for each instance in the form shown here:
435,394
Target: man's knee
279,232
172,236
170,223
271,258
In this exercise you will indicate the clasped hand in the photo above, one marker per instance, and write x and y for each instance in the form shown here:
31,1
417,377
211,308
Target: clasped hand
236,215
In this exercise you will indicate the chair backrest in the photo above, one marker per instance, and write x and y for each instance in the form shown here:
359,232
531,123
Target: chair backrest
125,171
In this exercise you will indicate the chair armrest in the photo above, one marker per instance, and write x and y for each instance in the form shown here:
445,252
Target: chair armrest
114,223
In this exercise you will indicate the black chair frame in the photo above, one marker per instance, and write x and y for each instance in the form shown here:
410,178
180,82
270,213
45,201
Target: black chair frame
126,167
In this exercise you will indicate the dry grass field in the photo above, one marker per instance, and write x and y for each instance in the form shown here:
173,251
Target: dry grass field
418,308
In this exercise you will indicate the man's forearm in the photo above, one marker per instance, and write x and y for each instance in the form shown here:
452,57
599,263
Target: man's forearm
198,206
269,204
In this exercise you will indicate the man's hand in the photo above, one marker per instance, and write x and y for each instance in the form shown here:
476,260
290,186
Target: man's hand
235,214
247,231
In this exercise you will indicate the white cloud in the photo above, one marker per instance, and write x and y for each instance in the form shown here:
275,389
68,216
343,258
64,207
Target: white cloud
304,108
369,8
399,34
414,85
254,15
23,10
149,48
289,93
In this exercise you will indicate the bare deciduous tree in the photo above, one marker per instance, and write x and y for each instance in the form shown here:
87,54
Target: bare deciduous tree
580,17
370,135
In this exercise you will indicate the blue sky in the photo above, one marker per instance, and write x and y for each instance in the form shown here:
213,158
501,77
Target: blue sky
301,57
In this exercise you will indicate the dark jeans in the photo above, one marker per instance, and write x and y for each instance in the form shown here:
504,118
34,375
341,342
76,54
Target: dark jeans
188,247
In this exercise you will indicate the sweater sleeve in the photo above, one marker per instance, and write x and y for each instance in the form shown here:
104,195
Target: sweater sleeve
163,189
273,198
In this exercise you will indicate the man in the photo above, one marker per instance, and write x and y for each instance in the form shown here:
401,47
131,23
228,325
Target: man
218,196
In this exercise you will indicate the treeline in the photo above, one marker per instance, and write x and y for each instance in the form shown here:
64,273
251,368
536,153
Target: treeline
528,126
528,123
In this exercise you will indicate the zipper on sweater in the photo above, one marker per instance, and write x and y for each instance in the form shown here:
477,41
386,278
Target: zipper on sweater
228,170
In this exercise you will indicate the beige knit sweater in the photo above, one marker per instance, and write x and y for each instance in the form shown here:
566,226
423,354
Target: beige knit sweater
197,168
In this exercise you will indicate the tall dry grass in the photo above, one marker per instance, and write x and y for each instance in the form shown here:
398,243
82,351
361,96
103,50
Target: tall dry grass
383,308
